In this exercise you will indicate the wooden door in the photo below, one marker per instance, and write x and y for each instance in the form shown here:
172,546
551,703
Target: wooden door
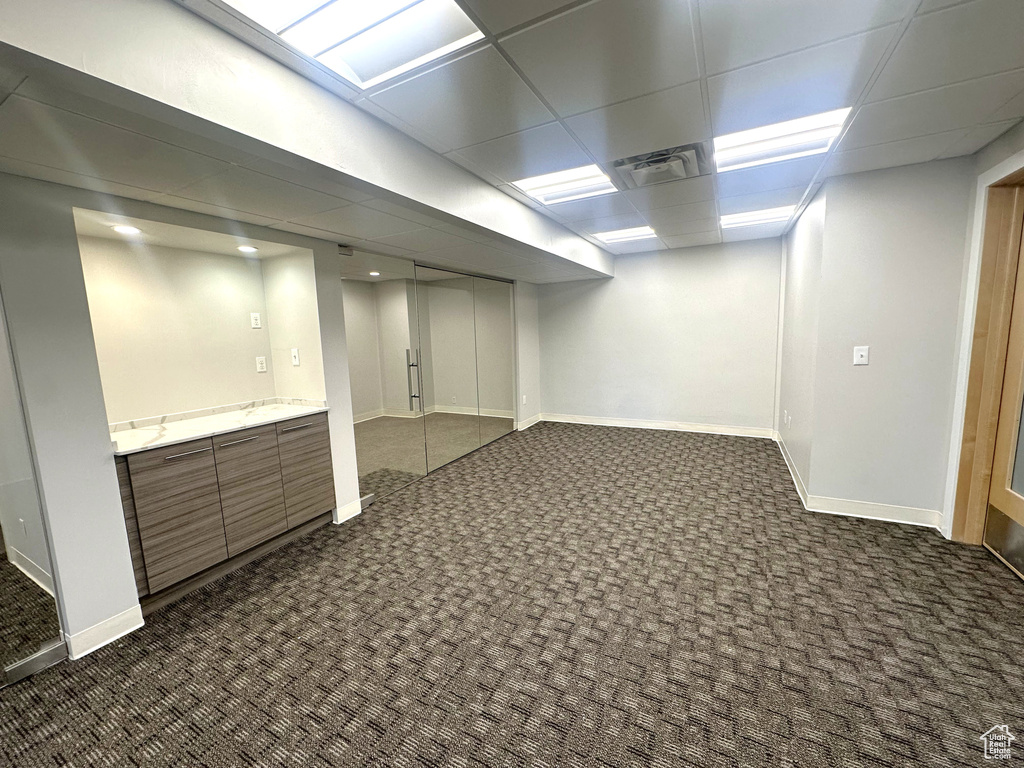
177,504
305,447
251,489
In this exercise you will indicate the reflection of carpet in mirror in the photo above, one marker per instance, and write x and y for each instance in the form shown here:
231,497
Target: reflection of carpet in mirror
28,616
384,481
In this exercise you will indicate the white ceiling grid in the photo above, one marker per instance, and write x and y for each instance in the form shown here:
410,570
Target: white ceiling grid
557,85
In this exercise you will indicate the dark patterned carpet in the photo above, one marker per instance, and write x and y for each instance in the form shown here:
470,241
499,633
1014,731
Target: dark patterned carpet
384,481
569,595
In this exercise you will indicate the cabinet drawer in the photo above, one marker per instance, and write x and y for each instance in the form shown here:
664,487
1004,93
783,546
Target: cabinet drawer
305,448
177,504
251,489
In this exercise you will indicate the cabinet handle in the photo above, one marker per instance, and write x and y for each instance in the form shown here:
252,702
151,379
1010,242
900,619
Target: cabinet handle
300,426
243,440
187,453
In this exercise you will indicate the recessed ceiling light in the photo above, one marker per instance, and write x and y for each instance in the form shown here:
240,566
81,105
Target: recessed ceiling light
802,137
247,249
626,235
125,229
750,218
375,274
563,186
367,43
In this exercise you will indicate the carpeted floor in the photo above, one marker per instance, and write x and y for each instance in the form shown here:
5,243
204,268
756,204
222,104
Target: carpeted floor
568,595
28,615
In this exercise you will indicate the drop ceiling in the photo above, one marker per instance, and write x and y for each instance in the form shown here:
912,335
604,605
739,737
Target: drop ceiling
555,85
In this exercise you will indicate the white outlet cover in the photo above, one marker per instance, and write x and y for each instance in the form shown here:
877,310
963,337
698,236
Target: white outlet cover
861,355
255,320
261,365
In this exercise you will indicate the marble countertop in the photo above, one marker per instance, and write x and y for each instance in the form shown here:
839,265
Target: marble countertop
174,432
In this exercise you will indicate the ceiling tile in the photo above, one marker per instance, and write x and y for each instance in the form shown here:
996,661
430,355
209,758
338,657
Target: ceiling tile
942,109
978,138
756,232
500,15
52,137
759,201
673,193
816,80
739,32
607,51
70,179
791,173
245,190
210,209
593,207
667,221
467,101
958,43
677,228
1011,110
637,246
320,234
306,173
424,220
658,121
545,149
689,241
420,240
468,234
357,221
610,223
906,152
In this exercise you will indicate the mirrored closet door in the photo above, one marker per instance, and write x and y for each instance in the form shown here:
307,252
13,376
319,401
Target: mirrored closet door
30,635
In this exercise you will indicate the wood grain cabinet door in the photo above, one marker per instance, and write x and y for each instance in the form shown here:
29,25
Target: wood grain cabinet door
251,489
177,505
305,446
131,524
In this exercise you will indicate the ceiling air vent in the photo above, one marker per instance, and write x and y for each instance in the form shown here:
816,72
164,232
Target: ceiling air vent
663,166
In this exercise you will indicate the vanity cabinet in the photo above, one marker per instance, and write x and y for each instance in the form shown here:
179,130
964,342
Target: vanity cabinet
251,492
194,505
177,504
306,468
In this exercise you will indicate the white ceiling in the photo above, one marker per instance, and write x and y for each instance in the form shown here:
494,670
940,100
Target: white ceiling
557,84
52,133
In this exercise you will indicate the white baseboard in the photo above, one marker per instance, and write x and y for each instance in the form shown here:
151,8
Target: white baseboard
347,512
360,417
529,422
889,513
674,426
32,569
104,633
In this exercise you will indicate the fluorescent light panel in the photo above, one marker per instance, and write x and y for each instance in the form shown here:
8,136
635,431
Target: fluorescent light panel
563,186
805,136
626,235
367,42
750,218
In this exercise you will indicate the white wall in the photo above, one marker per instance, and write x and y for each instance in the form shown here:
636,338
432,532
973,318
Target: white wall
686,336
452,366
364,354
804,251
290,289
495,347
394,338
528,354
886,272
25,542
172,328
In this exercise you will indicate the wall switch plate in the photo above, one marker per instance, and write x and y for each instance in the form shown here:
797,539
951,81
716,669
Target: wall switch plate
261,365
861,355
524,399
295,356
785,418
453,401
256,320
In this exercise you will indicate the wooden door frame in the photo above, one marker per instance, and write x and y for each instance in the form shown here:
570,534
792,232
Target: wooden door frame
1000,245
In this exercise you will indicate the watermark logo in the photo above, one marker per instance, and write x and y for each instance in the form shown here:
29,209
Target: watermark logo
997,742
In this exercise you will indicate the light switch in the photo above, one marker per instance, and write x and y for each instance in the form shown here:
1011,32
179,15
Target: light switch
256,320
261,365
861,355
295,356
524,399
